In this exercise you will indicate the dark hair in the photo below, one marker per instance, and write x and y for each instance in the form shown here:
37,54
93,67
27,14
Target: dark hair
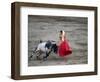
61,31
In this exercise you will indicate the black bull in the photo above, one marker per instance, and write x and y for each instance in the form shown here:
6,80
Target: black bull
50,46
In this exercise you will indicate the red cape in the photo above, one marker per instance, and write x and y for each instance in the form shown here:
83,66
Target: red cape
64,48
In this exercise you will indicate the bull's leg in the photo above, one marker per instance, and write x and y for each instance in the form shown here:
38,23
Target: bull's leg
38,54
47,55
31,55
34,51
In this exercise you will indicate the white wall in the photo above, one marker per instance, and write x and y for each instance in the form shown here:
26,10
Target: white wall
5,39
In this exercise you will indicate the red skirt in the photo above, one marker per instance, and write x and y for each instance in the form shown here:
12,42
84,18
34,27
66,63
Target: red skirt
64,49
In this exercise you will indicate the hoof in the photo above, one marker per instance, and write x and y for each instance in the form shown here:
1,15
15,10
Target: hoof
44,59
31,56
37,57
